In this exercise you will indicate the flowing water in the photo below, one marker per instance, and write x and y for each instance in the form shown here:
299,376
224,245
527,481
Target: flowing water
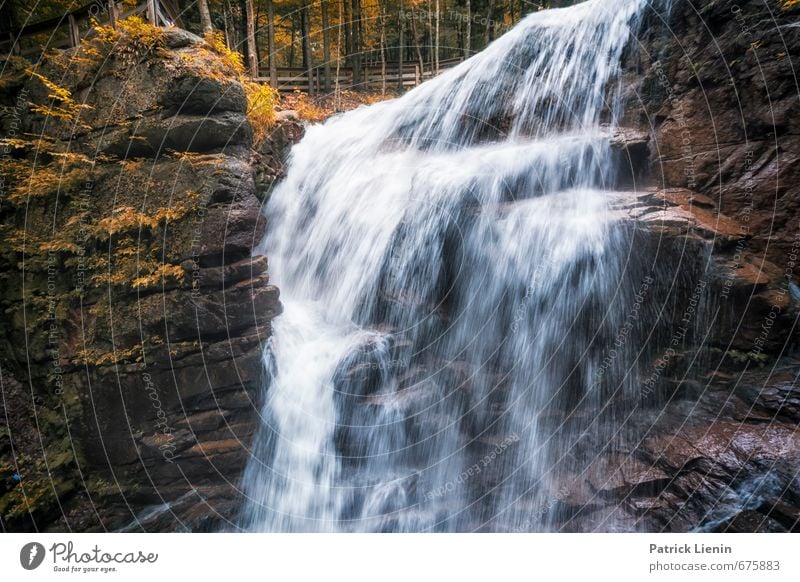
452,277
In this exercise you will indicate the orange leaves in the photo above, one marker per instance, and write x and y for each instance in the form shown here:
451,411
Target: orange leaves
126,219
62,105
261,101
216,43
160,273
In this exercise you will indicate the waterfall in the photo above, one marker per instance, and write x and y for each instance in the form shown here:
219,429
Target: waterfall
452,275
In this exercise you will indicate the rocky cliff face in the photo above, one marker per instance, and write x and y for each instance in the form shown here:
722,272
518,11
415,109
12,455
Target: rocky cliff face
713,145
135,308
721,103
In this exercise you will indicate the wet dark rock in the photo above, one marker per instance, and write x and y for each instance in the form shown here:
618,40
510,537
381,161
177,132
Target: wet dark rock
176,38
155,387
715,201
157,135
632,149
197,95
722,112
225,276
230,230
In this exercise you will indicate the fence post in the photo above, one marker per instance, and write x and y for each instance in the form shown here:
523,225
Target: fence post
112,13
401,49
152,16
74,33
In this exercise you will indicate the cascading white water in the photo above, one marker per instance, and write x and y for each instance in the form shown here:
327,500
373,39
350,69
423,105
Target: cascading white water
451,276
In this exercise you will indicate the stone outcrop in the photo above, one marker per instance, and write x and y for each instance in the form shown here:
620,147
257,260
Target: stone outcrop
713,444
135,308
714,86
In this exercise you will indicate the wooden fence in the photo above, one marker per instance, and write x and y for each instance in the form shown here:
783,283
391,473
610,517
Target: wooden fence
67,31
297,79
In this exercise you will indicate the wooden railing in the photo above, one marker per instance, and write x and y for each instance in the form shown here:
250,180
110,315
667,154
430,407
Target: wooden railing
67,31
297,79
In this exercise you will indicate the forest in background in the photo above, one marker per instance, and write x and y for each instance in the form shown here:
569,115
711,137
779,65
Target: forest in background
323,34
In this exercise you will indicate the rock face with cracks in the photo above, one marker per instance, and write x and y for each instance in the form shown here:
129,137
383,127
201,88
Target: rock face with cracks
135,309
710,141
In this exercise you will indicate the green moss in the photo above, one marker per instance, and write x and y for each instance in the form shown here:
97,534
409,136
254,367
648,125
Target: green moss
739,357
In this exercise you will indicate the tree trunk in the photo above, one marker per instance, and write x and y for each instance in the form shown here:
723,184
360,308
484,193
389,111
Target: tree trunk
252,51
152,16
304,27
273,65
291,45
205,17
7,20
336,95
241,31
383,47
401,48
230,27
487,32
429,38
436,42
356,25
415,40
348,34
468,31
326,46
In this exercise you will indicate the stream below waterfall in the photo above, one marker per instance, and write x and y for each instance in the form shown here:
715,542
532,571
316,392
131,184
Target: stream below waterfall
452,277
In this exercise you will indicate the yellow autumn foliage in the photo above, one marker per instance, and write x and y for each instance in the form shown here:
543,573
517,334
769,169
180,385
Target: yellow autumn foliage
62,105
215,42
132,38
261,101
161,273
41,181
